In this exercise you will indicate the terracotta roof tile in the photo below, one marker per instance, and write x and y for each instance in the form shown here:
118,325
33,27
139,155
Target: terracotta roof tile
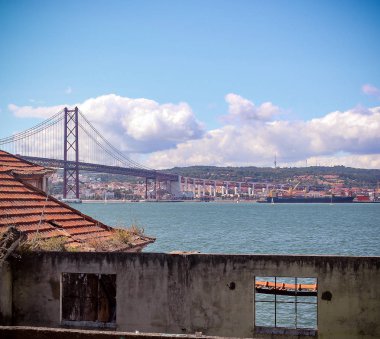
10,162
16,196
13,189
63,216
24,219
30,209
82,230
46,234
75,223
10,182
35,227
26,204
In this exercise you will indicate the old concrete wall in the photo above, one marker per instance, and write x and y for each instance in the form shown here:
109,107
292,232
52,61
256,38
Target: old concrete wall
5,294
192,293
22,332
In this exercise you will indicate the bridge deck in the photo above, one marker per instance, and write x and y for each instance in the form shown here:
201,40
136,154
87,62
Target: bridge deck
83,166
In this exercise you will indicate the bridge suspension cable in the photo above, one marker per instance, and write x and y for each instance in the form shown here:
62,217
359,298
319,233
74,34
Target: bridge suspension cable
108,147
33,130
46,140
37,140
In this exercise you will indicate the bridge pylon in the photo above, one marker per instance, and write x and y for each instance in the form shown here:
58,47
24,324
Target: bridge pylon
71,153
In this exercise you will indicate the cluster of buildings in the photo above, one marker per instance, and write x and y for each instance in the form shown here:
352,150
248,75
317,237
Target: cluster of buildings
330,184
95,187
92,187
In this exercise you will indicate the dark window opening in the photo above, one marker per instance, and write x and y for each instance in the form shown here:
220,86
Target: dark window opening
89,298
286,305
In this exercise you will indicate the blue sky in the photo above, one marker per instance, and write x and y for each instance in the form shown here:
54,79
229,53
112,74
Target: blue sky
306,58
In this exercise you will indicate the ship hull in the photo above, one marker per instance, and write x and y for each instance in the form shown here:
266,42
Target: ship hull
301,200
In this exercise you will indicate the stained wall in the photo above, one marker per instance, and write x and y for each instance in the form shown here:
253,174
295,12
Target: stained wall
174,293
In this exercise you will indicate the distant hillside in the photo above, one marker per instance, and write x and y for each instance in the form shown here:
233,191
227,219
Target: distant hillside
313,175
350,176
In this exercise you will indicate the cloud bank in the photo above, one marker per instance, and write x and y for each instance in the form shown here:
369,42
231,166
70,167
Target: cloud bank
350,138
241,109
170,135
133,125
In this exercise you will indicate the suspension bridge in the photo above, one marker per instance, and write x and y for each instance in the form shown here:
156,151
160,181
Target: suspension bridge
68,140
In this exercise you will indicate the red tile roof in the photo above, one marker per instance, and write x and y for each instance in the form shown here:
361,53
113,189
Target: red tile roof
18,165
32,211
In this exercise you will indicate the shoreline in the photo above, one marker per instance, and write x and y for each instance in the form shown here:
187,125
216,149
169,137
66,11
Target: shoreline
113,201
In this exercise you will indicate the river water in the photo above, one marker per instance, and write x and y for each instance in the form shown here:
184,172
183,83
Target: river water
249,228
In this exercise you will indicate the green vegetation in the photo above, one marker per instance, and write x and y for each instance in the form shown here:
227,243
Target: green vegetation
351,176
134,229
40,244
121,238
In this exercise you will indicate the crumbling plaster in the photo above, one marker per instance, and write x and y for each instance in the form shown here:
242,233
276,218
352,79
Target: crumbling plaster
175,293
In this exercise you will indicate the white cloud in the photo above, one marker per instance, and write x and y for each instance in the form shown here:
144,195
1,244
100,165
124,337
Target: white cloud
134,125
243,109
169,134
34,112
371,90
356,133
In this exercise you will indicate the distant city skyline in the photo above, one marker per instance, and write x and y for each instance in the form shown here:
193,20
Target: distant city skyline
226,83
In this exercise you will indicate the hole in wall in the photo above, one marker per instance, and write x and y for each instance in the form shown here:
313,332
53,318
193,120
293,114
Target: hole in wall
327,295
231,285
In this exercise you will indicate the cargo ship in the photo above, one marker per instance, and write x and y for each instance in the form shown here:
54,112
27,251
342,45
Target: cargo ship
366,199
306,199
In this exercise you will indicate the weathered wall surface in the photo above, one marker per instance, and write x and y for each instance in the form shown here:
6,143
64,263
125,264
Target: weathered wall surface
192,293
5,294
22,332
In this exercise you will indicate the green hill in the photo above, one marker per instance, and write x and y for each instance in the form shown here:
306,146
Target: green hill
347,175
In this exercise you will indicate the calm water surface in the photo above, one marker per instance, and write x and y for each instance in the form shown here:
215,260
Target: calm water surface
346,229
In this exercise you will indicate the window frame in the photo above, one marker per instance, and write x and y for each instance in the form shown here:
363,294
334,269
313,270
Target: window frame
279,329
88,323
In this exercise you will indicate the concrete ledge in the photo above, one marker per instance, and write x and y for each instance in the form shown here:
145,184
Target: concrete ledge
22,332
286,331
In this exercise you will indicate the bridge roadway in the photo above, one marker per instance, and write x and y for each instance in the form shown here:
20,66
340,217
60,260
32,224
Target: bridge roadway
84,166
184,183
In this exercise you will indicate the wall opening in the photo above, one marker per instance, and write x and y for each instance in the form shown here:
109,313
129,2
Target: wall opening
286,305
88,299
